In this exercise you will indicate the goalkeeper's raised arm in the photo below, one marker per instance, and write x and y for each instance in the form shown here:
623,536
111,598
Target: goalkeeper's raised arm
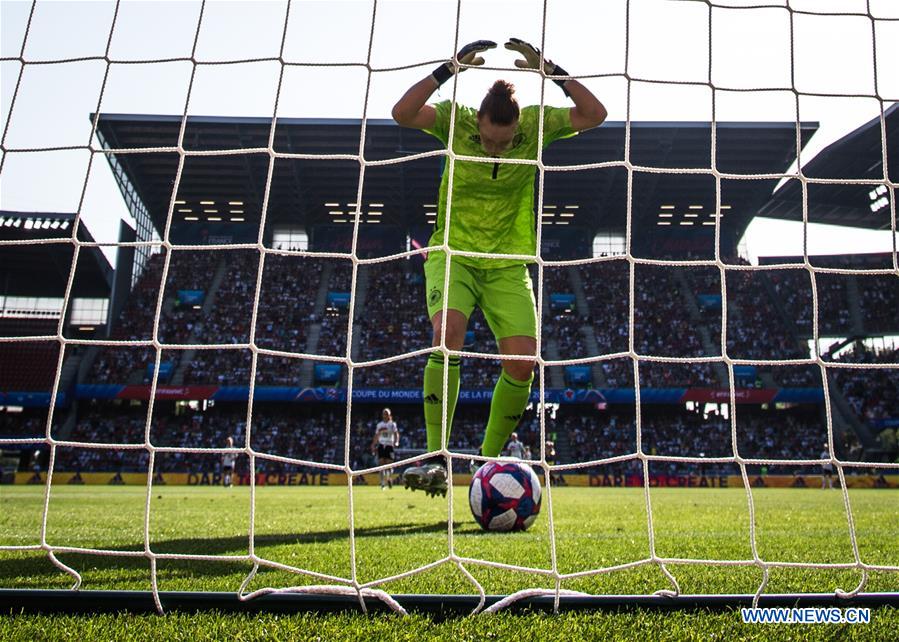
413,111
588,111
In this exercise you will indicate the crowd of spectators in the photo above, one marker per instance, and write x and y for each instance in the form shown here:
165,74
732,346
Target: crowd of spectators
312,435
662,325
872,392
756,331
834,317
317,434
115,364
188,270
606,286
227,322
395,321
29,422
332,340
794,290
879,302
795,434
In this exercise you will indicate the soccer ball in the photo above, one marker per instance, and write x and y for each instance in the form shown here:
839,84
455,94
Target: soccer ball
505,496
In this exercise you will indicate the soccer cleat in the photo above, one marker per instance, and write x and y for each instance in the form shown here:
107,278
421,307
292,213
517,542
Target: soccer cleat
430,478
473,466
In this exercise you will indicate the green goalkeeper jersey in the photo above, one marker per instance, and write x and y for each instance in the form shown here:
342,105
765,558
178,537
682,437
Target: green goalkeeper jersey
492,208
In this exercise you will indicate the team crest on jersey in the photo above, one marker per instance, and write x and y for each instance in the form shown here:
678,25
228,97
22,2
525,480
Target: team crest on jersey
516,141
434,296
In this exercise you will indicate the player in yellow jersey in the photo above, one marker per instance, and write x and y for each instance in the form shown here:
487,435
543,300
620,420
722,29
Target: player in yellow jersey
491,211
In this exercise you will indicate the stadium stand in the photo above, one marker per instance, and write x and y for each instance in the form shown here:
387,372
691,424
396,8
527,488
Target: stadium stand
208,297
28,365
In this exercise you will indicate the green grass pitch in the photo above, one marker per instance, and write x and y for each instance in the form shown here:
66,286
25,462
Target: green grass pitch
397,531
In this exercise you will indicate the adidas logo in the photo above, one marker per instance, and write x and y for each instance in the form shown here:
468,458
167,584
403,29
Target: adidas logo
513,417
432,398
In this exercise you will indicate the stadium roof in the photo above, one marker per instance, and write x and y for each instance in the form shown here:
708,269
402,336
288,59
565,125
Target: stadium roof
320,191
857,155
42,269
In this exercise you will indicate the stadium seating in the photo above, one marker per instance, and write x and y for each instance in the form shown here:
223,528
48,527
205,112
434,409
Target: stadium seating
872,393
28,365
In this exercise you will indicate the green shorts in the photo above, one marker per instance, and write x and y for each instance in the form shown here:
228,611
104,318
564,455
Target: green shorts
505,295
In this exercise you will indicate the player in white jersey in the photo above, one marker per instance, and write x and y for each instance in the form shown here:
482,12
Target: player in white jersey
387,437
826,469
515,448
228,460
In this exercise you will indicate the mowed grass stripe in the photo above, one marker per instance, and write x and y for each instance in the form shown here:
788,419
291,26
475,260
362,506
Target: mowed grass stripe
398,531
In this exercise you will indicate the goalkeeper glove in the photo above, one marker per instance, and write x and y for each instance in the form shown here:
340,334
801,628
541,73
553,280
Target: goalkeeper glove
468,55
532,61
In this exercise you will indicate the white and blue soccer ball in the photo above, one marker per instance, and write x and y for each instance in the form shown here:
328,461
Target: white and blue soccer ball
505,496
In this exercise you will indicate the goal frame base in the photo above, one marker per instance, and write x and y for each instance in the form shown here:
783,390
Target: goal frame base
32,601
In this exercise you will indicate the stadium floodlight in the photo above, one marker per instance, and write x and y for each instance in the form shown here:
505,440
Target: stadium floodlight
327,592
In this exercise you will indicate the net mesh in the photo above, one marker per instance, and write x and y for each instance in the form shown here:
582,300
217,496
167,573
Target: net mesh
551,577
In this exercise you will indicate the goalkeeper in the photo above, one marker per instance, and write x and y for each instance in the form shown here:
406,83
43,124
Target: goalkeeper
492,211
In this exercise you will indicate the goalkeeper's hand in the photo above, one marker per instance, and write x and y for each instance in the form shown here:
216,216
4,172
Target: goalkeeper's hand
531,56
468,55
531,60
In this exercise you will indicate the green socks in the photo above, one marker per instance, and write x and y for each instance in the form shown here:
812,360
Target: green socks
433,391
510,398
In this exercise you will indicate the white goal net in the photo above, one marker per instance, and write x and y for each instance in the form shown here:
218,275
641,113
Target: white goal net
261,257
